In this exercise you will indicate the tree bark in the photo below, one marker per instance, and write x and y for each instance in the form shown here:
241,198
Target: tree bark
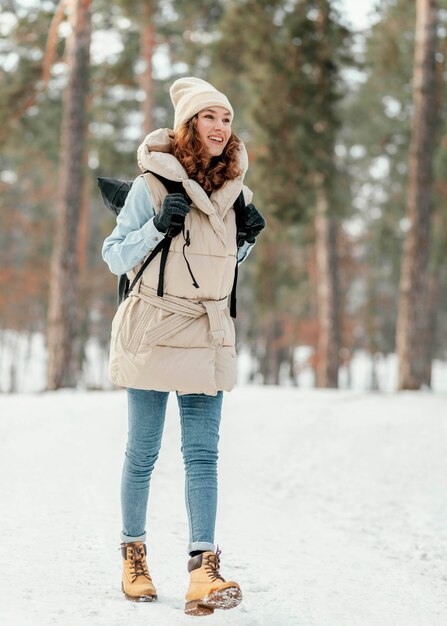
84,215
432,309
52,40
147,46
328,344
267,295
413,312
62,310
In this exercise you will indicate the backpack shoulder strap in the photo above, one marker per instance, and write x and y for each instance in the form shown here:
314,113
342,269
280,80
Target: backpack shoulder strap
172,186
164,243
240,238
239,205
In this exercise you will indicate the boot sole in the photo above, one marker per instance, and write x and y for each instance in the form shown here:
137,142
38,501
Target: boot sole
225,599
143,598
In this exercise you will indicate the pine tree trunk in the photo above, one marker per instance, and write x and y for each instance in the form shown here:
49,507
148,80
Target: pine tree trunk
413,314
147,45
430,344
328,344
270,360
62,314
84,214
292,366
267,294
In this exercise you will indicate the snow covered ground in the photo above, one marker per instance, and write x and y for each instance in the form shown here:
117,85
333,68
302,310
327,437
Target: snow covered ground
332,510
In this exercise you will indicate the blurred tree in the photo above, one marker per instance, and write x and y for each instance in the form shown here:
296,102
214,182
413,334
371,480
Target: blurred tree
63,302
27,169
147,47
376,137
290,89
326,125
413,313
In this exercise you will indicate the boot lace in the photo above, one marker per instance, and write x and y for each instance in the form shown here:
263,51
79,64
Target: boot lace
212,564
137,558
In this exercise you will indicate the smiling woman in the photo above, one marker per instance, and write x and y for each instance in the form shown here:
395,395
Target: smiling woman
181,338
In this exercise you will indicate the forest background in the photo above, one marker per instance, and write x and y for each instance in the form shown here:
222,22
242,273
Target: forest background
346,135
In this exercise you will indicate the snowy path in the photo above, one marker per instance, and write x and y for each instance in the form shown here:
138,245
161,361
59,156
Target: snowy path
332,510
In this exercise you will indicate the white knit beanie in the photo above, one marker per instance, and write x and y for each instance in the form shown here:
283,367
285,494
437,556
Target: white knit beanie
190,95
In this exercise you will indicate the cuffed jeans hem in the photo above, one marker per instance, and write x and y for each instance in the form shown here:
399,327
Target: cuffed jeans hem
127,539
201,545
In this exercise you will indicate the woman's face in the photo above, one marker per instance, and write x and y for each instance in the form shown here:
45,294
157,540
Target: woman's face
214,129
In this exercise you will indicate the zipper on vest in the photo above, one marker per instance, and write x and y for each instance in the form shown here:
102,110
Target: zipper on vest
187,243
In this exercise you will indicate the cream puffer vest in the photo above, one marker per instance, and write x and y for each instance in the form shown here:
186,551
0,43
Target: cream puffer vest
185,340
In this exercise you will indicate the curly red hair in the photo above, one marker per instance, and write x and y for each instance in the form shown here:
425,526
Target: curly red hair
211,174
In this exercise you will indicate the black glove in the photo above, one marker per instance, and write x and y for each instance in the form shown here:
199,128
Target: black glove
253,222
174,204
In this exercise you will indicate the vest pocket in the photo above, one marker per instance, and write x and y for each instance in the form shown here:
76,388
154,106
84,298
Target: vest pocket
145,316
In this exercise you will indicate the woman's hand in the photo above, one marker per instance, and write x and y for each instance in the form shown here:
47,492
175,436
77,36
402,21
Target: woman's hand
253,222
173,204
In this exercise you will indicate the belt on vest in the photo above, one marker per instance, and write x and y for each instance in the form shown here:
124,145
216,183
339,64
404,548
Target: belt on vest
184,313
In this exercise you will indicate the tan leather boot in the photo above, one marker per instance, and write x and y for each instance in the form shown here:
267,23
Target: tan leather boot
208,590
136,582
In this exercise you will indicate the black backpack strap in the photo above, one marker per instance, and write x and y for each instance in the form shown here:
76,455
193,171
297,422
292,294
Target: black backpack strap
172,186
240,238
233,298
164,256
123,287
164,243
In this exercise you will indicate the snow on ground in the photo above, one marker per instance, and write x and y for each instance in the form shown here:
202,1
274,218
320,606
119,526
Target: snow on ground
332,510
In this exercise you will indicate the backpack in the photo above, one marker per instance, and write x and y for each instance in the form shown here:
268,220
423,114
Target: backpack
114,193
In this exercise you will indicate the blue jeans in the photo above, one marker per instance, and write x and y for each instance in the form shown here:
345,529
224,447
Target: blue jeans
200,420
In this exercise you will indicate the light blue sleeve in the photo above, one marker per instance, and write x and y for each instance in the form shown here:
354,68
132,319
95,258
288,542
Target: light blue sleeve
135,235
244,251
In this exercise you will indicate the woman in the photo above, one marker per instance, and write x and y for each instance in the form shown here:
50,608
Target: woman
184,340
